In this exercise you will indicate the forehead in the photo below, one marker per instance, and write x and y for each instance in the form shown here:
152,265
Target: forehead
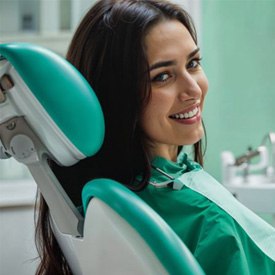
167,39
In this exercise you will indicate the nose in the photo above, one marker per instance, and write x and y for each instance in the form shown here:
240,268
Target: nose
189,87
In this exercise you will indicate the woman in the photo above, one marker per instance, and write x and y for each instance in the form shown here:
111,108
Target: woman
142,59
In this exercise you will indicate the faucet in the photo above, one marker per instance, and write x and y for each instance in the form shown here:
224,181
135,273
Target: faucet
271,168
232,166
244,161
247,156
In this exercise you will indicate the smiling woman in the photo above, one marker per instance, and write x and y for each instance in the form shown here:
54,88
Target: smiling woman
142,59
178,86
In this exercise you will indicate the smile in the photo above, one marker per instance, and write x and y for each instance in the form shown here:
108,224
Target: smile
186,115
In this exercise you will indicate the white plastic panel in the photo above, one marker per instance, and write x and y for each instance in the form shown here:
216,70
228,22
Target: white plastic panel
109,246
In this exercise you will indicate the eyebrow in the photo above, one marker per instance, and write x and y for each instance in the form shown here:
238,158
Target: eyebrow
171,62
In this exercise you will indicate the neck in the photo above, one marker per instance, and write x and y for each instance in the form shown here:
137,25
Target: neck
165,151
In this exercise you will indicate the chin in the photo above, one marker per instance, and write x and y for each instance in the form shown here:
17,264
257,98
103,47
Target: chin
194,138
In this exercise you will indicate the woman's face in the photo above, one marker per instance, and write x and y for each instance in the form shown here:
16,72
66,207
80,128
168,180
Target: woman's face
178,88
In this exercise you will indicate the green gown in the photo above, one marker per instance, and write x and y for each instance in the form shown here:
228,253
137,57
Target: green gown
223,235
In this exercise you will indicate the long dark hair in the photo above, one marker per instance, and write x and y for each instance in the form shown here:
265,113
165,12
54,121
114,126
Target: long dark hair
108,49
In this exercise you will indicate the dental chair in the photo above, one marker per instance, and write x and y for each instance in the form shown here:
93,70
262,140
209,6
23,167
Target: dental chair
49,111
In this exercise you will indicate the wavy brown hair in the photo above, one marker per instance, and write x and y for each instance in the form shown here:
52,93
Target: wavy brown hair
108,49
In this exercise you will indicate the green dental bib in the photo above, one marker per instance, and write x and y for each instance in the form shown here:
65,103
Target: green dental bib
224,236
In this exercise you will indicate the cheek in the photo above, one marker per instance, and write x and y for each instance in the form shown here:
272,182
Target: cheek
156,111
159,104
150,114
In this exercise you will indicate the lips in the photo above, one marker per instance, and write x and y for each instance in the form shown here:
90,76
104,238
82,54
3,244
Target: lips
186,115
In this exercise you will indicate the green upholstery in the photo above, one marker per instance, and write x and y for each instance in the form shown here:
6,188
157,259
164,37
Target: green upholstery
70,101
167,246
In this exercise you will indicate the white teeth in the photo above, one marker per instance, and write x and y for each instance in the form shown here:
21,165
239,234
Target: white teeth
186,115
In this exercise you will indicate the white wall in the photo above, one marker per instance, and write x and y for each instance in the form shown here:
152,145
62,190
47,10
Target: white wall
9,19
17,247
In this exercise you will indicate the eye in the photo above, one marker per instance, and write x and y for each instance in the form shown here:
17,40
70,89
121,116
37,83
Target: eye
194,63
162,77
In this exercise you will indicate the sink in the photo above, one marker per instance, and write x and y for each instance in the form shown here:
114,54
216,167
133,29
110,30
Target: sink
256,193
251,180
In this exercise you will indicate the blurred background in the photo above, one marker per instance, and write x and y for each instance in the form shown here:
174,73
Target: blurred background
237,40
